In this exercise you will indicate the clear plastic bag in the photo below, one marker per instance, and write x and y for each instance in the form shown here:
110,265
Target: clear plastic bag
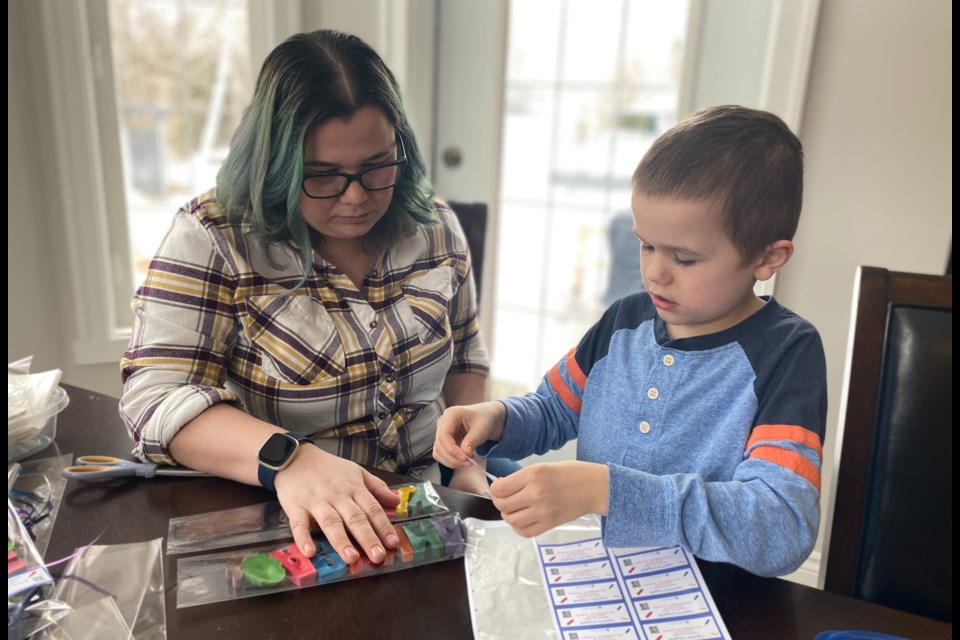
30,607
242,573
267,521
566,583
37,493
115,591
33,402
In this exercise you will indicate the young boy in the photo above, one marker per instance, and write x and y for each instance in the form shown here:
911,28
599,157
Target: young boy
699,408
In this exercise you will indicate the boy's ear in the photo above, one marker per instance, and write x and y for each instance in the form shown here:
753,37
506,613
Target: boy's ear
772,259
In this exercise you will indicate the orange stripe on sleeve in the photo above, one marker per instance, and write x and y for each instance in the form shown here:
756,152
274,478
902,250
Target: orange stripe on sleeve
576,373
568,397
789,460
766,432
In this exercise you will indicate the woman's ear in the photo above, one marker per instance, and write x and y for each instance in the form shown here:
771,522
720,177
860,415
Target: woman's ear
772,259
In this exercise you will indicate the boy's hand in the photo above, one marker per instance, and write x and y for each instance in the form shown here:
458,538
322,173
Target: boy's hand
461,429
541,496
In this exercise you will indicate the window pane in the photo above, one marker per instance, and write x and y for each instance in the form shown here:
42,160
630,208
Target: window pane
520,257
514,360
576,239
592,40
576,125
654,48
183,77
527,143
534,57
584,147
643,114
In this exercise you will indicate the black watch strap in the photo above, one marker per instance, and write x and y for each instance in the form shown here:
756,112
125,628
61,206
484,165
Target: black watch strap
276,455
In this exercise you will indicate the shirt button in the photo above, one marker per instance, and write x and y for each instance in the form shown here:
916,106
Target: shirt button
653,393
668,359
373,324
374,272
644,427
389,379
381,416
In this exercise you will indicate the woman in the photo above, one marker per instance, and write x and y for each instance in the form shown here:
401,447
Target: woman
319,290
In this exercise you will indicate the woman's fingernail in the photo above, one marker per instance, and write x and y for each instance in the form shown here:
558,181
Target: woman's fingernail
377,554
350,555
307,550
392,540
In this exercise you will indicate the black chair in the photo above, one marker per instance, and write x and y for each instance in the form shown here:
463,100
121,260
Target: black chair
473,219
891,539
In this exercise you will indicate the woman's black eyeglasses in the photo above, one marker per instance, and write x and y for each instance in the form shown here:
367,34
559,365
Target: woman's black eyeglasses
333,184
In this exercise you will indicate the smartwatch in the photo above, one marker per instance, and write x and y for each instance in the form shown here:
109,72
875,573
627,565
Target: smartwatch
276,454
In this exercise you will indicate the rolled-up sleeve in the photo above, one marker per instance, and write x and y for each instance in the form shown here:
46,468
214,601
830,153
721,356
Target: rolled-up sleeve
176,364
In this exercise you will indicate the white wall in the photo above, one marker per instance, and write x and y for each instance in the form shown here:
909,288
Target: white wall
877,131
39,306
31,284
728,60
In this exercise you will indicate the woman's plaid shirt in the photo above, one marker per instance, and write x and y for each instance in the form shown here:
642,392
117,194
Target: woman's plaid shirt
361,371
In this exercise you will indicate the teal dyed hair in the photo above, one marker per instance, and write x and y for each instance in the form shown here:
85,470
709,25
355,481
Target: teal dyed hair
306,80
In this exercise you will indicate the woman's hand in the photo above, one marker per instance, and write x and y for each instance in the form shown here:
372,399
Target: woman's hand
541,496
461,429
343,498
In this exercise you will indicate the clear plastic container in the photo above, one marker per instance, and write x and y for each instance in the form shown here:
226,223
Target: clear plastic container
28,434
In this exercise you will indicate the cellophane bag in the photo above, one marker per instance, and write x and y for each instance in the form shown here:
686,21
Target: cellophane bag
30,607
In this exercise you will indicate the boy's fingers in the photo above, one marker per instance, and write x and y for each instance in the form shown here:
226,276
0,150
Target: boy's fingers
508,485
442,454
445,447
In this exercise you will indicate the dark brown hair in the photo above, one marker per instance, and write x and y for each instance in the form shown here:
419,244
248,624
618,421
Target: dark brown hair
746,161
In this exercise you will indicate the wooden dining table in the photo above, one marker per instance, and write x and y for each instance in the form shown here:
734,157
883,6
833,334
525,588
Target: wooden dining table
428,601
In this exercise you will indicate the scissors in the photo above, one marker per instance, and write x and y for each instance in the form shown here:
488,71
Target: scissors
100,468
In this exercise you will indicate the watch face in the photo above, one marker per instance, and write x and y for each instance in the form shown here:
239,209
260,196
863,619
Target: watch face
277,450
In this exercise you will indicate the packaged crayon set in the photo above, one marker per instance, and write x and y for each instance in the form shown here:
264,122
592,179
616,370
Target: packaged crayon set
271,568
262,557
267,521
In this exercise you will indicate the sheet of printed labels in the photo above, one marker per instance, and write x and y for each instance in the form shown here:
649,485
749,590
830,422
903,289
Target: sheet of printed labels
565,584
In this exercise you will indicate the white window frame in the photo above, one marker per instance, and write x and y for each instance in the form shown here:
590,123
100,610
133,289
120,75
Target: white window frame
96,254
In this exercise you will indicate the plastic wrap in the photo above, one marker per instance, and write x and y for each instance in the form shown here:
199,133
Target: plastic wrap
263,569
115,591
30,607
37,493
267,521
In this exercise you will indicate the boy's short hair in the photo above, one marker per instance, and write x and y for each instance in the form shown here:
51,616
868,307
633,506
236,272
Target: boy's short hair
746,160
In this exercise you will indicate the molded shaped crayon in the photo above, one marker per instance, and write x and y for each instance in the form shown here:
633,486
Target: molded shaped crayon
402,509
405,550
262,570
424,539
451,533
328,564
419,503
297,565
